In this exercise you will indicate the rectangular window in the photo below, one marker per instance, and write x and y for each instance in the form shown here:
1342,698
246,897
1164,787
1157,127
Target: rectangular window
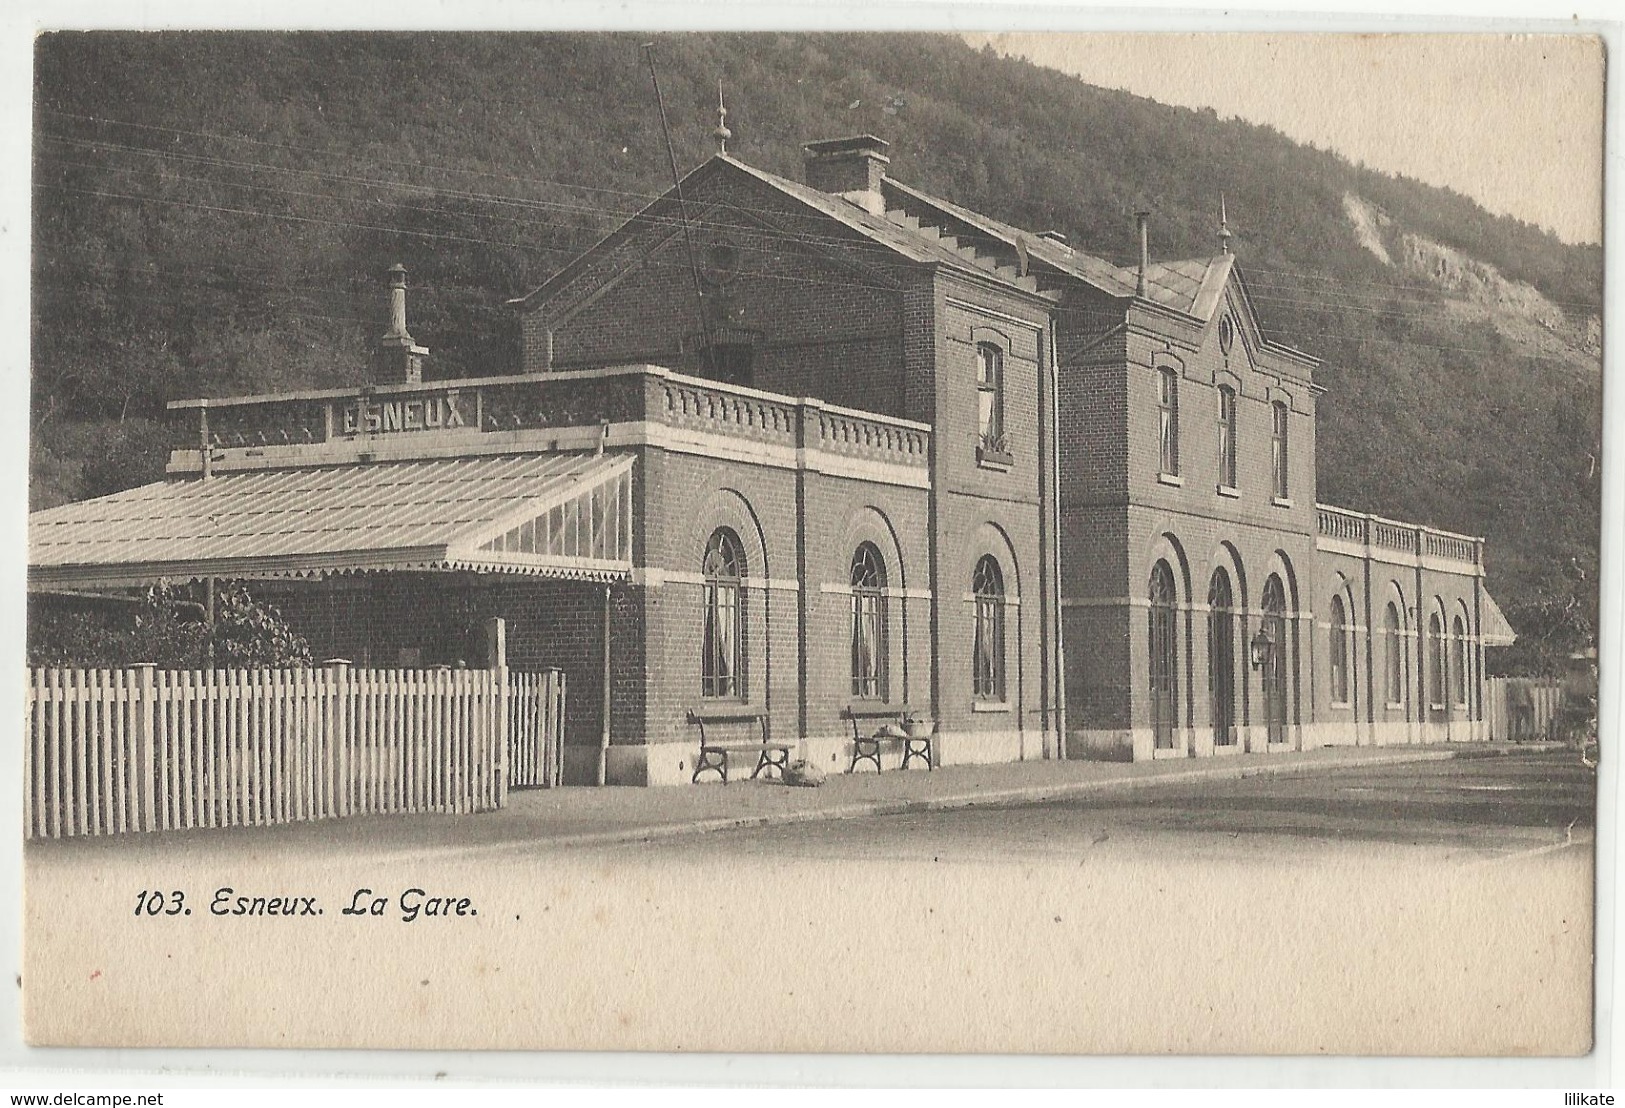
1227,437
990,397
1168,420
1278,449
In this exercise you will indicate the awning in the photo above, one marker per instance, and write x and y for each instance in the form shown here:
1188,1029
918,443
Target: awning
551,515
1496,631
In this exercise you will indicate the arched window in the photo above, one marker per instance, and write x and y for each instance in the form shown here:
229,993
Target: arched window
1436,648
1164,647
1394,658
990,396
1276,660
868,623
1459,682
987,653
1221,654
1340,652
1168,419
1227,436
722,644
1278,449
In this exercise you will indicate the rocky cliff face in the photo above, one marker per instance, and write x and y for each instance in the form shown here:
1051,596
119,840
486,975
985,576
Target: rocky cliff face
1477,292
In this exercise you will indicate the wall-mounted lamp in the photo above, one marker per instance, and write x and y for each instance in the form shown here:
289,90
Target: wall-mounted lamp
1262,646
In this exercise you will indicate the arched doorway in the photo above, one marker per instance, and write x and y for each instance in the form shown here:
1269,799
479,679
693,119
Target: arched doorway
1276,660
1221,653
1164,659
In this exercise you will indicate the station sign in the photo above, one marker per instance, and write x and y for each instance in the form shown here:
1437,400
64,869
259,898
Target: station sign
368,415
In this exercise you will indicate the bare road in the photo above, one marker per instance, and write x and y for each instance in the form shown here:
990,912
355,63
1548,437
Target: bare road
1464,810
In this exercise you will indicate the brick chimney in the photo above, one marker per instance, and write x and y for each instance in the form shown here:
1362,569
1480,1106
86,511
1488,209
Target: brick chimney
1142,223
850,167
398,359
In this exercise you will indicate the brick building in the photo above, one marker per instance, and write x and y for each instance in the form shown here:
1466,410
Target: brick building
788,457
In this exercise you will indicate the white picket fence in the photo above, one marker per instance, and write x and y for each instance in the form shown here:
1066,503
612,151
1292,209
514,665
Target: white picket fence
144,749
536,722
1522,708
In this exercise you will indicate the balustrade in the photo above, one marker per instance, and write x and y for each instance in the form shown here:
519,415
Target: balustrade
1384,534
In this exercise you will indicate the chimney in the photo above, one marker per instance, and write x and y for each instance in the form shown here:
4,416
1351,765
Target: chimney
398,359
1142,220
850,167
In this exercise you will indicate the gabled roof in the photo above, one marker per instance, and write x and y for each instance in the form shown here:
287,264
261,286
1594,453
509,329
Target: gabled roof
444,513
916,247
1194,286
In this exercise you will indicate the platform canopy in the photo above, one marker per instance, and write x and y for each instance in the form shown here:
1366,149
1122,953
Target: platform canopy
550,515
1496,630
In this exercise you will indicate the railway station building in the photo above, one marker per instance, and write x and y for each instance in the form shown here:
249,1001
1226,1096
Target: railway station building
784,459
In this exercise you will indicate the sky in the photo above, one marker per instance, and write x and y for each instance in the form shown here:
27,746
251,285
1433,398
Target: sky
1514,121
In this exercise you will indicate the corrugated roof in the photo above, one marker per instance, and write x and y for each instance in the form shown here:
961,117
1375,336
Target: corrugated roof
388,515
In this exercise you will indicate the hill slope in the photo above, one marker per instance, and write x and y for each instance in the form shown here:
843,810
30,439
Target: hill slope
213,212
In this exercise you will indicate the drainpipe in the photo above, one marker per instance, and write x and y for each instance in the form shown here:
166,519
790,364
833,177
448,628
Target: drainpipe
1052,493
603,734
1058,642
206,457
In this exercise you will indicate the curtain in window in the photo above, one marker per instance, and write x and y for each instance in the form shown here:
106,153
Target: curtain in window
1340,652
722,641
1227,436
1164,659
1278,664
1168,416
1395,683
868,623
1221,653
989,395
1278,448
987,586
1459,682
1436,648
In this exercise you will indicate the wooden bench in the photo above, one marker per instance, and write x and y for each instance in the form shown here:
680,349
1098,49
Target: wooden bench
866,748
714,754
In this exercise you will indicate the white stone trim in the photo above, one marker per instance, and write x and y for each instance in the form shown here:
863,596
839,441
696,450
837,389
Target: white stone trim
471,442
654,577
984,310
836,588
1010,601
1145,602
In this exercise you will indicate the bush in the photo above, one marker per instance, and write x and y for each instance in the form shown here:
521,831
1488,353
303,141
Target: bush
167,627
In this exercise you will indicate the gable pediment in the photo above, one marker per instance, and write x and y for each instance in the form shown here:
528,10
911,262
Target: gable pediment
734,217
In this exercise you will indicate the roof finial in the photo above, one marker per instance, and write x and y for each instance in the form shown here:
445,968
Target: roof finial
1224,227
722,134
